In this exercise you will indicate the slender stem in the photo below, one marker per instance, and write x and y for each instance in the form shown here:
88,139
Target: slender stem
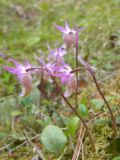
74,110
33,68
111,113
76,46
30,69
76,69
102,95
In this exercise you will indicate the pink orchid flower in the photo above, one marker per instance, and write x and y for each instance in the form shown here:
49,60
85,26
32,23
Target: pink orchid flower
23,77
69,35
67,78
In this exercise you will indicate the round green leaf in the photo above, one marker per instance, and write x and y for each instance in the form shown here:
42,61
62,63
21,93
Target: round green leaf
53,139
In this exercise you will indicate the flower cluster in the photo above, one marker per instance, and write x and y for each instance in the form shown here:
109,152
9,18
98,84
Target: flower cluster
55,66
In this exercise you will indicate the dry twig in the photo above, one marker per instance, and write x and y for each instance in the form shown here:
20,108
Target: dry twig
79,143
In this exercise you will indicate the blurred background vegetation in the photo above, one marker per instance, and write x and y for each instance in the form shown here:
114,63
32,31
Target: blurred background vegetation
27,26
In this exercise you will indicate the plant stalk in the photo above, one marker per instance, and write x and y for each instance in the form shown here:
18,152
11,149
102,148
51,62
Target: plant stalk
111,113
74,110
71,107
102,95
76,57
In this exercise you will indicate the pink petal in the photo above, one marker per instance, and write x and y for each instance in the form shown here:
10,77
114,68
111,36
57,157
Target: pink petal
23,92
17,64
65,79
68,92
60,28
12,70
73,83
85,64
67,27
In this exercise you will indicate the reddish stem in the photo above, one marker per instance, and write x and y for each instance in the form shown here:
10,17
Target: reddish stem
76,46
34,68
71,107
74,110
102,95
111,113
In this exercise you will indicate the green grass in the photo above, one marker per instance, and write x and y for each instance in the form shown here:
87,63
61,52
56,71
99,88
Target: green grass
27,26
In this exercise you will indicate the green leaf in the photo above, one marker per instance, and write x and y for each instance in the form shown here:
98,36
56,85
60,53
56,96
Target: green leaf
3,135
73,125
16,113
100,122
53,139
25,101
44,122
82,109
110,98
35,97
97,103
116,158
7,105
18,136
108,66
32,101
114,146
84,100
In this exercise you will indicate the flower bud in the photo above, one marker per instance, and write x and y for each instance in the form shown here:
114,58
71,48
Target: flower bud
26,81
69,40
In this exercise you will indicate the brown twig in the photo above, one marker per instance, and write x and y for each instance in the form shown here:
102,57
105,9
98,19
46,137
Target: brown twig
83,154
37,150
79,143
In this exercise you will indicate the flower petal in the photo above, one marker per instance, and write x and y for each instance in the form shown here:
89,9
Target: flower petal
65,79
60,28
73,83
26,81
12,70
23,92
67,27
85,64
17,64
68,92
